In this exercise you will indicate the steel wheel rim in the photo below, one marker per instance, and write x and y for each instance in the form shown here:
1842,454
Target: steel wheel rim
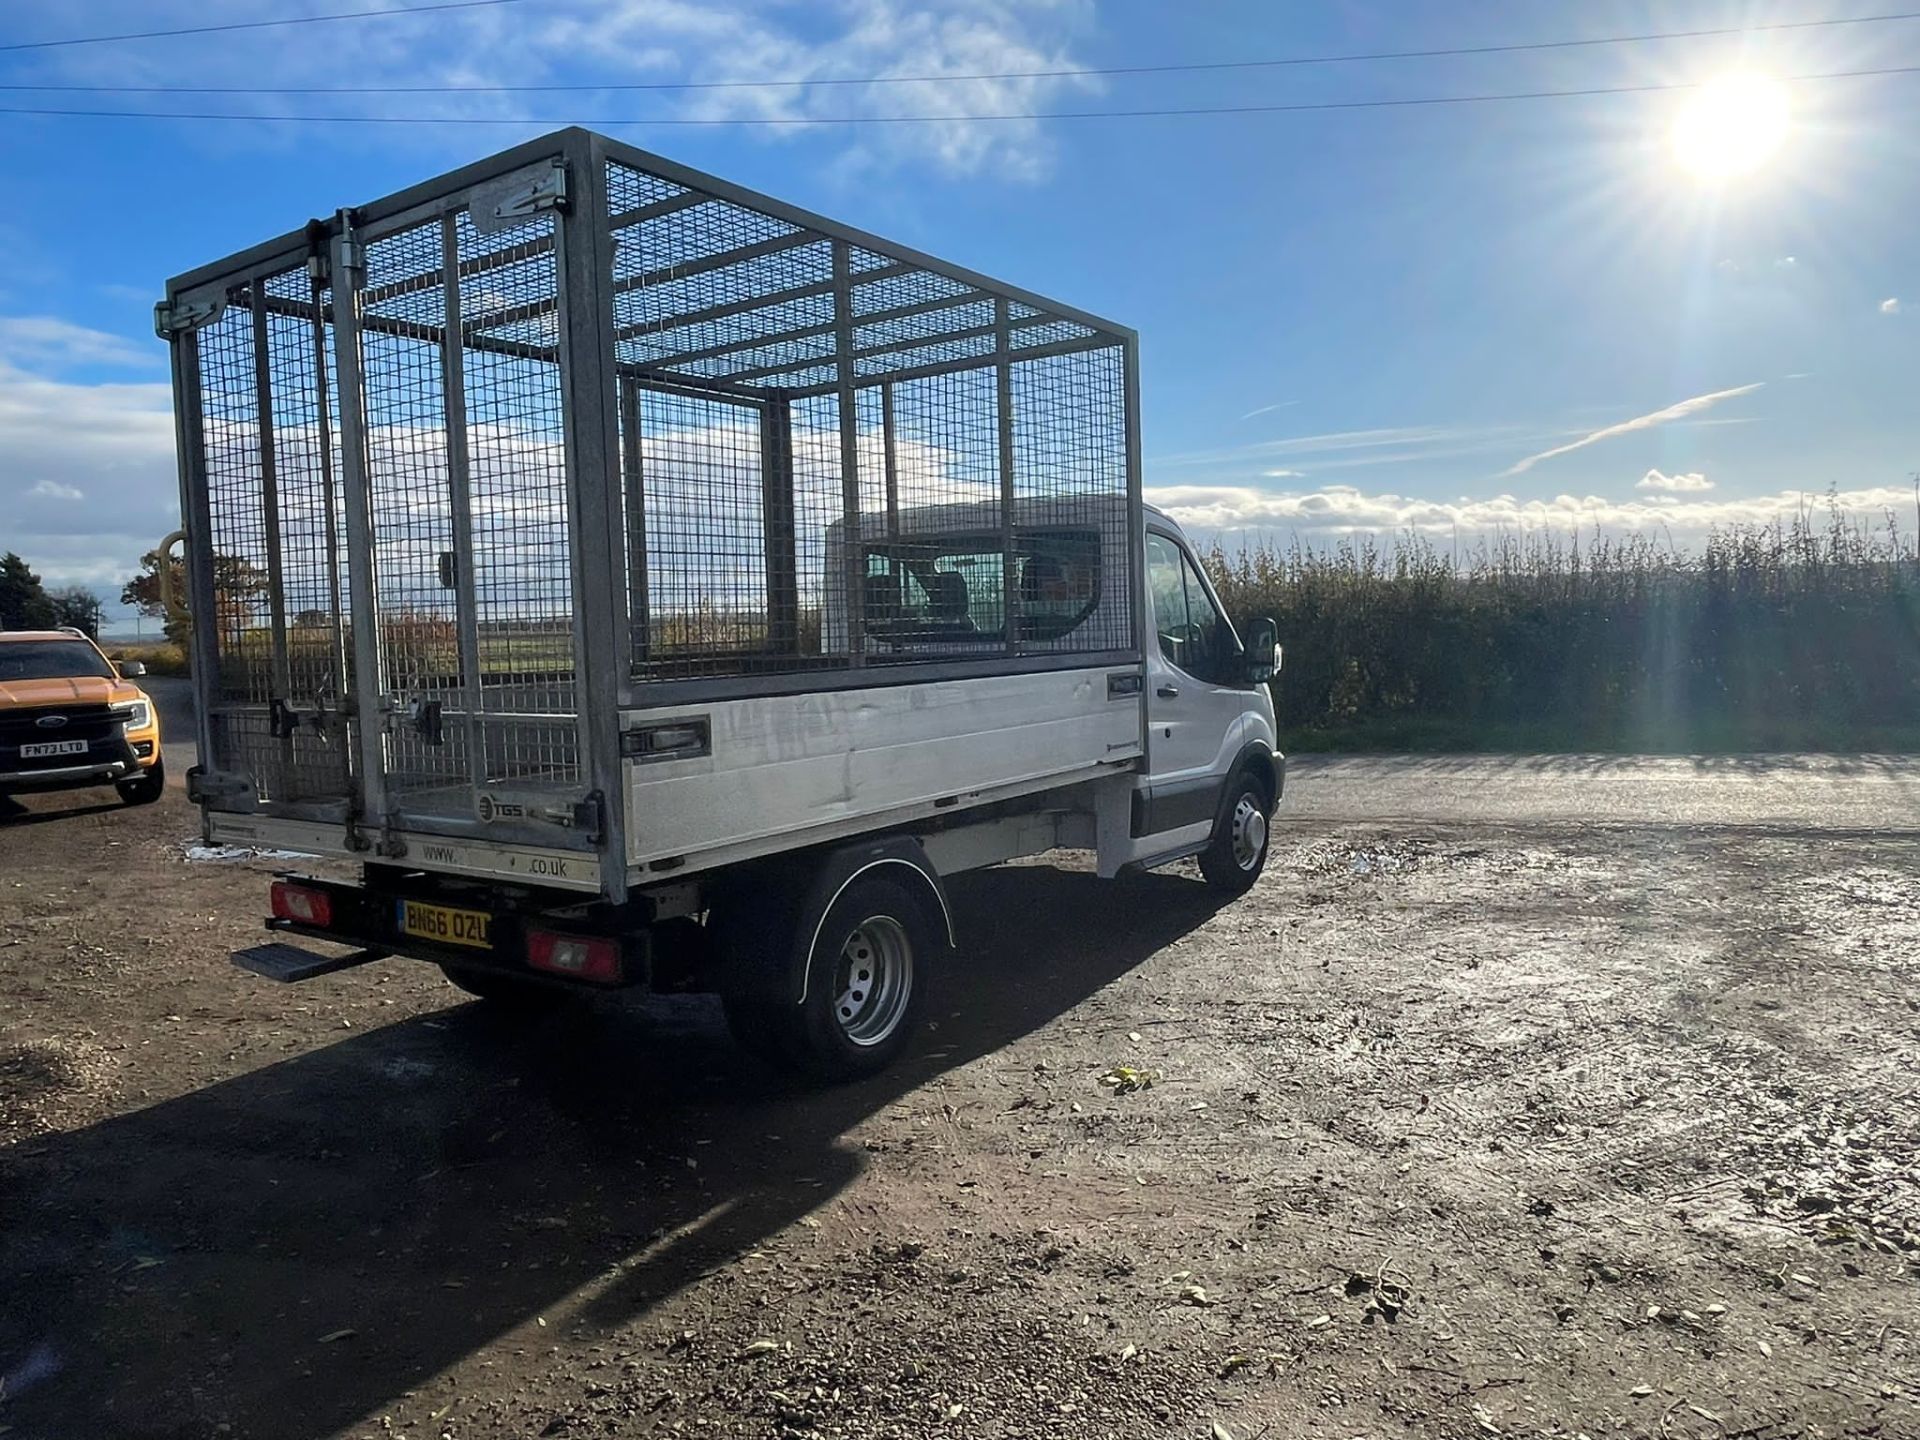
873,980
1249,833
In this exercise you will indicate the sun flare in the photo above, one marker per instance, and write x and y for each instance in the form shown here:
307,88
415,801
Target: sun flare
1732,126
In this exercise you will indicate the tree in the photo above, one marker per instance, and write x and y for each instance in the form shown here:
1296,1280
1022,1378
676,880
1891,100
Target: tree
79,607
238,584
23,600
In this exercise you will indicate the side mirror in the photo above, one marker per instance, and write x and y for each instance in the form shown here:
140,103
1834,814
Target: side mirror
1263,651
132,669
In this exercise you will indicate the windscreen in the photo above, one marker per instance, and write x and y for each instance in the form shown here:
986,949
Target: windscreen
52,660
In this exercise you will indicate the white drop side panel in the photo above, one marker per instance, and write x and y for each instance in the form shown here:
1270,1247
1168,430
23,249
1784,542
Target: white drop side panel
793,768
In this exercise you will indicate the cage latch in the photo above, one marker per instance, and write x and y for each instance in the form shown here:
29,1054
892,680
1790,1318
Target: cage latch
177,317
589,817
424,716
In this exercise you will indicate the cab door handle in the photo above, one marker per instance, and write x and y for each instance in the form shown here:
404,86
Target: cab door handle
1168,692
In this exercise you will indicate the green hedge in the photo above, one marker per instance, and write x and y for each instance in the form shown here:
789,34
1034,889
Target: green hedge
1791,637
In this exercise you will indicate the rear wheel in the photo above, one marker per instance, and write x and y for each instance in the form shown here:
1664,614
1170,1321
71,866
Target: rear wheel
504,991
865,987
1238,851
146,787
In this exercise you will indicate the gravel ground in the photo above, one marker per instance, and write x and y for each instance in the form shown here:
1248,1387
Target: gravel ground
1530,1098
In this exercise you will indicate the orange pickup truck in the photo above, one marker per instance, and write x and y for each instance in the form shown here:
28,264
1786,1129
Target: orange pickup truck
69,718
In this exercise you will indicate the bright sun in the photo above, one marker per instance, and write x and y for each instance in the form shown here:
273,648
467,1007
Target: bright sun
1731,126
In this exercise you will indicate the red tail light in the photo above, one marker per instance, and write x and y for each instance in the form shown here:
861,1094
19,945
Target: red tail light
578,957
302,904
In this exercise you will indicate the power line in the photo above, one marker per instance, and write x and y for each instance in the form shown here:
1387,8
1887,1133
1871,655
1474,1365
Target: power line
1450,52
253,24
609,122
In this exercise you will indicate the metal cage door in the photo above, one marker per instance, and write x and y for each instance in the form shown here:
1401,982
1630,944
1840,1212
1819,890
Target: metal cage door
465,585
262,441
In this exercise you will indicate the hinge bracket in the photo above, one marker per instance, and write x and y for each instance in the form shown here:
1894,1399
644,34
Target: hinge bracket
500,204
177,317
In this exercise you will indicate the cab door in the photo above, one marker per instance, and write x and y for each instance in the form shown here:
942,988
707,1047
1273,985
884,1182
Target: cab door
1196,697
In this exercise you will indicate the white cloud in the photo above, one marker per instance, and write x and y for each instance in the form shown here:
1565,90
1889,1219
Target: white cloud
1655,480
1679,411
1385,445
63,441
825,44
1283,474
1268,409
1335,510
1890,305
47,343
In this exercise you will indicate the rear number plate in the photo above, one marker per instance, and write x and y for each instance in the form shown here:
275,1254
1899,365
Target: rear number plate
53,747
445,926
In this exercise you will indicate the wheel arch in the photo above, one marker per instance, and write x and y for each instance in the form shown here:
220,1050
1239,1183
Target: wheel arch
774,918
1263,766
927,882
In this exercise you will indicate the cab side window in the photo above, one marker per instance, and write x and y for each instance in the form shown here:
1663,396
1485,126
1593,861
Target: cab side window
1214,651
1169,589
1192,634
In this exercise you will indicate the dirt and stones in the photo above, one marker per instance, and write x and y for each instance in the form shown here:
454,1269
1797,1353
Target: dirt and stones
1529,1128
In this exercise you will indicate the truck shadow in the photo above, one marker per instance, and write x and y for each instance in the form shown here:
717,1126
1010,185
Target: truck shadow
286,1252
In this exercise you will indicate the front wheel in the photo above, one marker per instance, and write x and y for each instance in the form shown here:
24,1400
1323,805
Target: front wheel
1238,852
865,987
144,788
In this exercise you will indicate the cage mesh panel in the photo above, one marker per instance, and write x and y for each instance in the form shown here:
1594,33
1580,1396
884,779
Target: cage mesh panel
312,562
912,288
938,560
1069,473
411,512
230,454
517,484
818,507
1052,332
240,724
707,600
717,295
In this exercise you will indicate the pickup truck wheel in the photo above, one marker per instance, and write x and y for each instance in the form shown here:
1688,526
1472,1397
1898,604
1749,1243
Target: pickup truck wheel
865,988
1238,852
146,788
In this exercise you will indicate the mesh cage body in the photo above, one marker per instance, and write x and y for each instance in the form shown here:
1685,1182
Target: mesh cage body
833,458
456,462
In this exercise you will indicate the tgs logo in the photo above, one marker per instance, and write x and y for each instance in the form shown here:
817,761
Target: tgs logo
491,809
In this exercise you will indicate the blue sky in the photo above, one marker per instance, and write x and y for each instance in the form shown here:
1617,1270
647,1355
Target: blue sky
1351,320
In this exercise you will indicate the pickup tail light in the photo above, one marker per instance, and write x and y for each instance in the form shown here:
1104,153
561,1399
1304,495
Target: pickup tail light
302,904
577,957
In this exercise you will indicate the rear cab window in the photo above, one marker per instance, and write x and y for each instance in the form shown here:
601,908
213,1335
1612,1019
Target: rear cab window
951,589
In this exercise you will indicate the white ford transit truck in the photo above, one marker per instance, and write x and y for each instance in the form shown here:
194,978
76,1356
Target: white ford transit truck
649,583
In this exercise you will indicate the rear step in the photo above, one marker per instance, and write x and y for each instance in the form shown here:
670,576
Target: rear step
287,963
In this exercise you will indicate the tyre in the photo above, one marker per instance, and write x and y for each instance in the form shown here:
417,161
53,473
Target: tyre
866,982
505,991
758,1027
145,788
1237,853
